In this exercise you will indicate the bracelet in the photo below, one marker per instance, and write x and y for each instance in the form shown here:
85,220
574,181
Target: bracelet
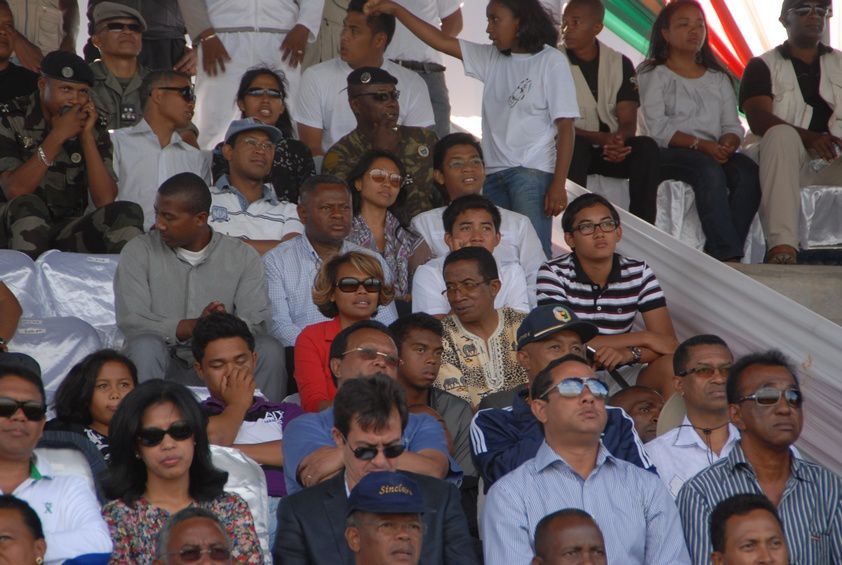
205,38
695,145
43,157
636,355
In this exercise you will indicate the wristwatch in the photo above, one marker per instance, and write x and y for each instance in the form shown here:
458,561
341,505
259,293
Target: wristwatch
635,355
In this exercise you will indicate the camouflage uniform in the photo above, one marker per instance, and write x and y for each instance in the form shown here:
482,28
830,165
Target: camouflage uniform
415,151
121,107
53,217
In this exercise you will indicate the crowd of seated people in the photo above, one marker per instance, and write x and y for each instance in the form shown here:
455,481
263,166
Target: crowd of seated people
383,331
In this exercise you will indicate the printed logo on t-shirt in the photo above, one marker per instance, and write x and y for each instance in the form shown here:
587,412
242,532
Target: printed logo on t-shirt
219,214
520,92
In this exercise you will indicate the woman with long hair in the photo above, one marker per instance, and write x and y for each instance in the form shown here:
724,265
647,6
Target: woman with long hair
89,395
689,107
262,95
528,104
348,288
160,464
377,187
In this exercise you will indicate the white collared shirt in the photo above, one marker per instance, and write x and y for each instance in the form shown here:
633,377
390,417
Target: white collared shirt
405,45
681,453
68,510
142,165
265,218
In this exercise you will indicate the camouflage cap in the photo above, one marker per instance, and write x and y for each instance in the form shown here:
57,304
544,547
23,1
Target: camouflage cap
66,66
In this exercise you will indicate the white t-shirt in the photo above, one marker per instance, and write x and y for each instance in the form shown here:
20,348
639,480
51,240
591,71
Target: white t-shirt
405,45
323,99
265,218
523,96
428,285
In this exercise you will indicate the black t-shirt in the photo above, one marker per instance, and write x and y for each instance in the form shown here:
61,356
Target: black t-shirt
590,70
16,81
757,81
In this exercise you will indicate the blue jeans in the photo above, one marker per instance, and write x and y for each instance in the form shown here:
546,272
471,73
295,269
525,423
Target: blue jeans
522,190
727,196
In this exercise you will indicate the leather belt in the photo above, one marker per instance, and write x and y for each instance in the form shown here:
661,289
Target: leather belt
420,66
249,30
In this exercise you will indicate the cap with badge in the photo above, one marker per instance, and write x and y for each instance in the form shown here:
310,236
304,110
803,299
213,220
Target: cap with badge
370,75
546,320
788,5
66,66
251,124
386,492
112,10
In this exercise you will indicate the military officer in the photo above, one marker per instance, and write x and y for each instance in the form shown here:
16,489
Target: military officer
55,165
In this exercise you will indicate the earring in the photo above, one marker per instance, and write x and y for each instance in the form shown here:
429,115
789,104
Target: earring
39,560
136,455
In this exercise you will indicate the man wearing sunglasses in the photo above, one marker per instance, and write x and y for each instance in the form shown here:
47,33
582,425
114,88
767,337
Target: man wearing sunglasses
373,95
66,504
573,469
244,205
792,98
765,403
323,113
189,536
150,152
361,351
706,433
370,429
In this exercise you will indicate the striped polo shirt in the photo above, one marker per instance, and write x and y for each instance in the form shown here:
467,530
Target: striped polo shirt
631,288
810,509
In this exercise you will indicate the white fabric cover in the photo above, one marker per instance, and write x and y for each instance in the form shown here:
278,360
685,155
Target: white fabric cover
246,478
705,296
67,461
821,211
80,285
18,271
57,344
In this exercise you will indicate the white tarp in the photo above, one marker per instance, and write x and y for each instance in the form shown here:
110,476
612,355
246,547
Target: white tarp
706,296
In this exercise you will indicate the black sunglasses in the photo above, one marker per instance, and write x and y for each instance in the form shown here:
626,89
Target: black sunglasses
32,410
270,92
193,554
768,396
369,453
382,96
350,284
117,26
179,431
186,92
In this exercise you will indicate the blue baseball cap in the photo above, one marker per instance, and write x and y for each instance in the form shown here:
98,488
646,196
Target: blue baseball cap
251,124
546,320
386,492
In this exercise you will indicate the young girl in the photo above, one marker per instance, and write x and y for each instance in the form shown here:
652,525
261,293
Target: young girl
689,107
160,464
528,104
90,394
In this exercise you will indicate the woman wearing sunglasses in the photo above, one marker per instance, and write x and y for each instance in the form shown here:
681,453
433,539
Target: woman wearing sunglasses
160,464
90,394
262,95
348,288
377,187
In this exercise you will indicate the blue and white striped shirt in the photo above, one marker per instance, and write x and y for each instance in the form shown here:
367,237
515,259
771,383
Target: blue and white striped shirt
810,508
632,507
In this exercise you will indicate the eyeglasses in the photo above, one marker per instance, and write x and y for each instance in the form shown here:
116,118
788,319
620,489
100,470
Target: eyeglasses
117,26
605,226
32,410
368,453
186,92
381,96
350,284
193,554
367,354
465,287
769,396
801,11
150,437
459,164
267,146
270,92
707,371
379,175
573,386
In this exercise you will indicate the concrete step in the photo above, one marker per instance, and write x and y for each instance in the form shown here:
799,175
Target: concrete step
817,287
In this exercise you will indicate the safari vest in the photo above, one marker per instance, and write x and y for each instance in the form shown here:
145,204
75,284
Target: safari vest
40,21
609,80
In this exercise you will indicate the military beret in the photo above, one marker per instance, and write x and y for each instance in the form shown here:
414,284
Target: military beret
63,65
111,10
370,75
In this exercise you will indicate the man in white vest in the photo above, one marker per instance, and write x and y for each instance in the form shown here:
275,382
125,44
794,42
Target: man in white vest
606,89
792,97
